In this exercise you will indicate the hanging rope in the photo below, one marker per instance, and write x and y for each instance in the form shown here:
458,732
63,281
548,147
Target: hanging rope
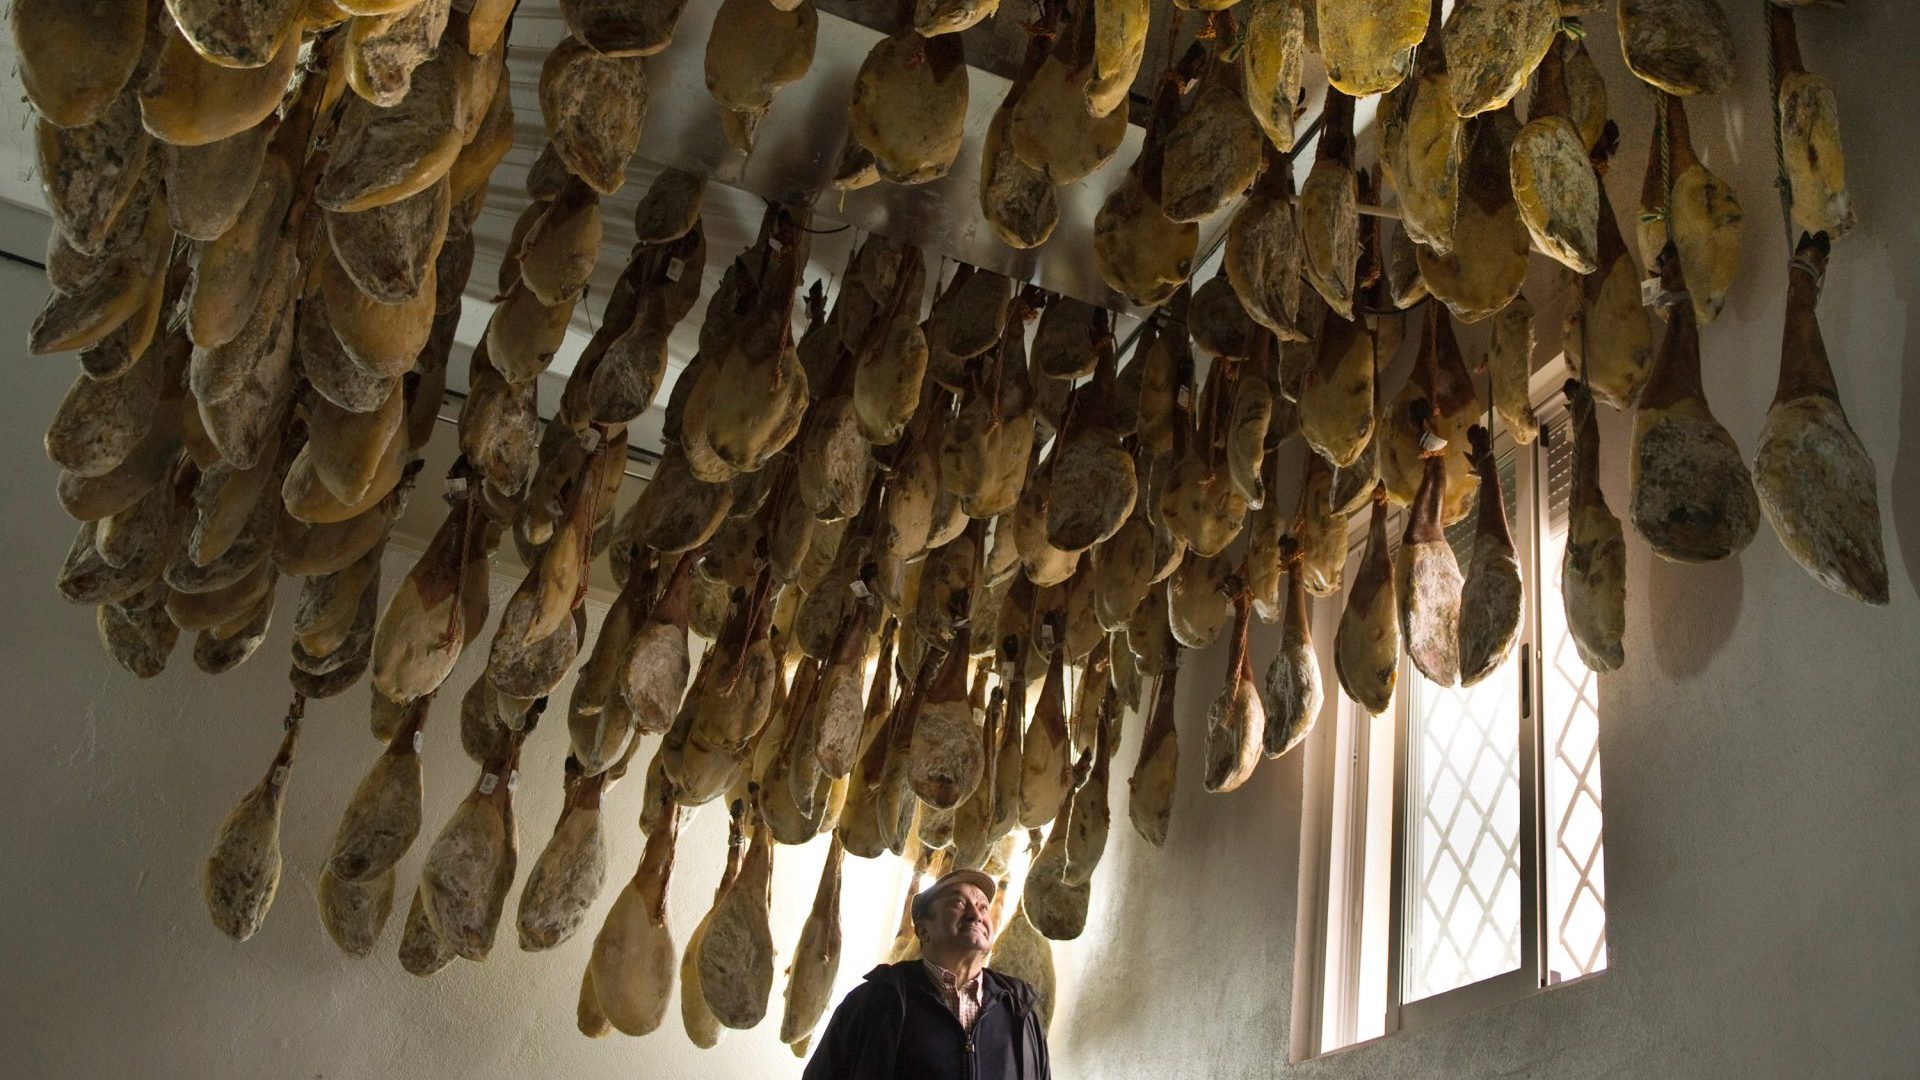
1665,133
1781,184
1170,73
1585,361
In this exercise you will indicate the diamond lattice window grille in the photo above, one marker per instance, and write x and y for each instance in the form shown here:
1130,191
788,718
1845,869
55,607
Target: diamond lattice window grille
1576,899
1464,922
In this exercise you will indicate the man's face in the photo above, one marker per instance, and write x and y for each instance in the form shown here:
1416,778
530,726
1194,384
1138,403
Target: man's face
960,917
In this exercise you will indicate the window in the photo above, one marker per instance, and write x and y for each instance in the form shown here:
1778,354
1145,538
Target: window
1452,846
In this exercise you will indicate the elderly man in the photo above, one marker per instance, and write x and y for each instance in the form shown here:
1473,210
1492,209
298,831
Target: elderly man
943,1016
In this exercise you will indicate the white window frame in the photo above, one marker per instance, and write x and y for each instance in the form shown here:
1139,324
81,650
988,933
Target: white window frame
1343,770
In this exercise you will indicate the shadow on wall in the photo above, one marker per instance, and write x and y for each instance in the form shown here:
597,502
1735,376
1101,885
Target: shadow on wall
1905,491
1886,244
1207,918
1691,632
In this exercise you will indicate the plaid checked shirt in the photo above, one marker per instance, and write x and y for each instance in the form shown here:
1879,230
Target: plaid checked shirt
963,1000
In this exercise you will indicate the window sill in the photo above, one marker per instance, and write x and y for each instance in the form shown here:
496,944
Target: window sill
1463,1005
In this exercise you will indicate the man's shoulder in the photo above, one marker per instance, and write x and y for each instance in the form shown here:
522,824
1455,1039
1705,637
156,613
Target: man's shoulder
1019,988
890,974
884,982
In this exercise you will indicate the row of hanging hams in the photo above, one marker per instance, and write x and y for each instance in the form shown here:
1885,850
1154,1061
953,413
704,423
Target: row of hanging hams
942,538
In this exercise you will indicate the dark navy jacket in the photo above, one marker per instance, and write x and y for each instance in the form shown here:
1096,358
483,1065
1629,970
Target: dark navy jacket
895,1027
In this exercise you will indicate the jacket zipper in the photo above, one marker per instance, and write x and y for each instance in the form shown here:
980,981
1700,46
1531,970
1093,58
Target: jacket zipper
973,1062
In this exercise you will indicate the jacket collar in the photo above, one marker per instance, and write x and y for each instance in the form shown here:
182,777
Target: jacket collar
992,984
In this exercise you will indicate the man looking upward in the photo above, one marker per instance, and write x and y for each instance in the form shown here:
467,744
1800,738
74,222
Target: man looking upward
944,1016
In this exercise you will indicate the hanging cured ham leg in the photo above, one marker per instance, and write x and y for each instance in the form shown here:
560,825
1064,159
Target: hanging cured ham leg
470,867
1680,46
1607,336
1293,693
1813,475
1426,573
1427,582
1493,46
1593,570
1684,203
1809,135
1091,816
1329,213
1150,804
816,959
1236,724
703,1028
1421,144
1368,48
1692,497
1490,601
736,955
383,817
1213,152
243,872
948,760
567,877
1046,771
1554,187
631,969
1366,649
1093,466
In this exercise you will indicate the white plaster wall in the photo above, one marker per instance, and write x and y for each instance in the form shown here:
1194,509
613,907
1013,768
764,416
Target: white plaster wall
1760,746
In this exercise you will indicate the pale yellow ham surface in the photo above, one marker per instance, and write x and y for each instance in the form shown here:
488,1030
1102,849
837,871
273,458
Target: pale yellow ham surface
632,965
1593,571
1422,147
1329,214
1057,126
74,59
1809,117
1366,649
909,105
1272,62
1368,47
816,956
1556,192
1701,217
1487,264
1151,788
1119,46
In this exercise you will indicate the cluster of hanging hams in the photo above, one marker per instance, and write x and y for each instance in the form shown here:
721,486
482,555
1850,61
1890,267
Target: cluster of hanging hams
936,536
